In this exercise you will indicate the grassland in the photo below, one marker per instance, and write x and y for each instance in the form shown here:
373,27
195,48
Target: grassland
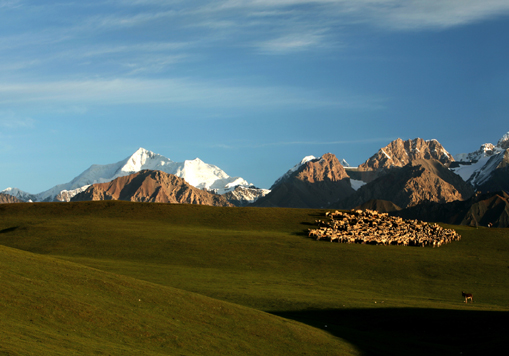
300,295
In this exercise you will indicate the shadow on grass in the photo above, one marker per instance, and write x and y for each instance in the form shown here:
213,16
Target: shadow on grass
9,229
407,331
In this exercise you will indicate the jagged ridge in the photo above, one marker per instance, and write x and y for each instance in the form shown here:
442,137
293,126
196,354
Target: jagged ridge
151,186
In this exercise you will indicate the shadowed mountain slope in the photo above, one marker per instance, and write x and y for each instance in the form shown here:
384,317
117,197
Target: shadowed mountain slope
382,206
314,184
419,181
479,210
494,176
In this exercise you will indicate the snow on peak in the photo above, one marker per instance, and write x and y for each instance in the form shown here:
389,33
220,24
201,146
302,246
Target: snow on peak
196,172
476,167
18,193
486,150
344,163
504,141
144,159
303,161
385,154
293,169
207,176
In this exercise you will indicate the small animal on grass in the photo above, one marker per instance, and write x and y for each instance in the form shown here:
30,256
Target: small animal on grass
467,296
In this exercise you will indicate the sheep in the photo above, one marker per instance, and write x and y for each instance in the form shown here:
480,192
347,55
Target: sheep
371,227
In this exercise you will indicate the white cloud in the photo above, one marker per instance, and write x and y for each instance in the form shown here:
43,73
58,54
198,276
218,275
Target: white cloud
180,91
421,14
394,14
290,43
10,120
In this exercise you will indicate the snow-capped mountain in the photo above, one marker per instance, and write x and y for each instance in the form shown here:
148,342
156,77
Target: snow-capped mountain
481,176
196,172
344,163
486,169
504,142
311,183
242,196
291,170
486,150
306,159
21,195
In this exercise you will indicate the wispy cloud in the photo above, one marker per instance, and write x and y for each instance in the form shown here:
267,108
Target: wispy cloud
5,4
429,14
290,43
183,91
11,120
394,14
110,21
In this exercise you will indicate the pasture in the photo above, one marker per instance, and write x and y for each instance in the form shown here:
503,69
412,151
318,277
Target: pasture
302,296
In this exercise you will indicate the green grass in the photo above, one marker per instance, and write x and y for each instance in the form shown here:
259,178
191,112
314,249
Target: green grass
54,307
260,258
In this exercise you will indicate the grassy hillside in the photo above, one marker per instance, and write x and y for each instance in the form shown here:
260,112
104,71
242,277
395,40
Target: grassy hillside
397,297
54,307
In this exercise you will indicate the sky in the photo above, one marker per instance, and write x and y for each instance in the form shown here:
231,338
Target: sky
251,86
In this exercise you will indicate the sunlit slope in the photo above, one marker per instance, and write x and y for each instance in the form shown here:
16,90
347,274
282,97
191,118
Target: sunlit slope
261,257
54,307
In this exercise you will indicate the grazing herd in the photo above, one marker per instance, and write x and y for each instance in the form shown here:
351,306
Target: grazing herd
372,227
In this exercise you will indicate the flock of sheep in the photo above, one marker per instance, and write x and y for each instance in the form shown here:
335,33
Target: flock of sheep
372,227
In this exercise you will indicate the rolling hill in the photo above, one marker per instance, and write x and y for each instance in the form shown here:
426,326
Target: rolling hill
403,299
55,307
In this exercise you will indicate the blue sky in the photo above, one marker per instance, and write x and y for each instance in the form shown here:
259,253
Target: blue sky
251,86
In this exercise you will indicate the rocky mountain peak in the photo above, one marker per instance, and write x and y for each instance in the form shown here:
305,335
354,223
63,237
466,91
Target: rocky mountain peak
421,180
150,186
504,142
326,167
312,184
399,153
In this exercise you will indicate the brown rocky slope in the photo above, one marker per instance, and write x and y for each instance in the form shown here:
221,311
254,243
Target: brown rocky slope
419,181
315,184
6,198
151,186
399,153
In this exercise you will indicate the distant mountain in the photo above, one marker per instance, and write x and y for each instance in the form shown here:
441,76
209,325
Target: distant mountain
399,153
480,210
150,186
242,196
486,150
196,172
19,194
487,168
405,173
313,183
6,198
419,181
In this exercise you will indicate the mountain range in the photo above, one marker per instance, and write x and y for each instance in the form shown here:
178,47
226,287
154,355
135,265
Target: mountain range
401,175
195,172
